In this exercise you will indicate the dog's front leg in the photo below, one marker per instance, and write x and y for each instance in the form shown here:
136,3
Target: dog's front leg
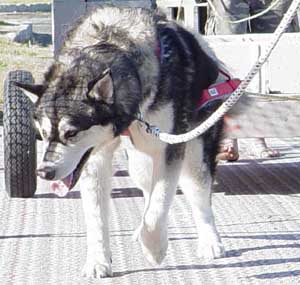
140,168
95,192
153,235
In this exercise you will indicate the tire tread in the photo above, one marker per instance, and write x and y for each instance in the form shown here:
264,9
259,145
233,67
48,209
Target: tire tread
19,138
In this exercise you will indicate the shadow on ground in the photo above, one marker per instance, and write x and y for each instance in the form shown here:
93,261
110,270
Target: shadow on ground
251,177
248,177
254,263
116,193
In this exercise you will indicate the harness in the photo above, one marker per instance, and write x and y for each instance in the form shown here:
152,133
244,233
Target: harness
216,91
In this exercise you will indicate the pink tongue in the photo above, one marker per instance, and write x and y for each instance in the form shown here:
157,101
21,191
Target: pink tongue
62,187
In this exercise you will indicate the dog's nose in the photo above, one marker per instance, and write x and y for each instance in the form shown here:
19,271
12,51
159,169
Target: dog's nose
46,172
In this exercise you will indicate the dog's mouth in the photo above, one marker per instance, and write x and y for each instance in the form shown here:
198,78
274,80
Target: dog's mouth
63,186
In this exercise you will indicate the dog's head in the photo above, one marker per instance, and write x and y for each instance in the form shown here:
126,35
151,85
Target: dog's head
75,110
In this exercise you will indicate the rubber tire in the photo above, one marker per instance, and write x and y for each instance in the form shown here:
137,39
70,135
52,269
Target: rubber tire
19,138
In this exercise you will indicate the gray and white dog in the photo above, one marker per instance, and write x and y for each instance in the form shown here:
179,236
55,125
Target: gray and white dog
115,65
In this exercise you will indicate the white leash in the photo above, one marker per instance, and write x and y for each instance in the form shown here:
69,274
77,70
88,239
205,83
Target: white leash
236,95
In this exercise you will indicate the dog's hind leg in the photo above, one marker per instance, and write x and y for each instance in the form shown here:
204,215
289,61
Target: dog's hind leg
95,184
153,235
196,182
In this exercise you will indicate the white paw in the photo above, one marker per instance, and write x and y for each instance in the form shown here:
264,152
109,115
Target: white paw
137,232
210,250
97,269
154,244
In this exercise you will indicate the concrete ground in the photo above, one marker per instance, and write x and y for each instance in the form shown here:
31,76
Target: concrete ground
257,209
256,204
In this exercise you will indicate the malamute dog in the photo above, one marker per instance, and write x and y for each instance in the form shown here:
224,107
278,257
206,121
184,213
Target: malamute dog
115,66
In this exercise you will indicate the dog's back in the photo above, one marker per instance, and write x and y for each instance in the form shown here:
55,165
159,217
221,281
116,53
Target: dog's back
157,46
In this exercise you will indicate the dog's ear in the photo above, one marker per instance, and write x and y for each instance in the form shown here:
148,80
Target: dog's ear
102,88
32,91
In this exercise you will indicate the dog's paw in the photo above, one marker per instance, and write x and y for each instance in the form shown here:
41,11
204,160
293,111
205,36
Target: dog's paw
97,269
154,244
136,233
210,250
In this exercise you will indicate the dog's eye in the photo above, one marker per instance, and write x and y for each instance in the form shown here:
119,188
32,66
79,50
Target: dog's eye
70,134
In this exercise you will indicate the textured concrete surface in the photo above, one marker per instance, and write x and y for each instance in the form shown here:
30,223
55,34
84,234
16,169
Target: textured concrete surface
257,209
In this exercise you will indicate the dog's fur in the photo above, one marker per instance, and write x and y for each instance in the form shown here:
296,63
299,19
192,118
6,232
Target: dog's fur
114,64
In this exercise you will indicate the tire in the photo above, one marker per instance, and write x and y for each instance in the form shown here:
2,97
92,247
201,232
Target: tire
19,138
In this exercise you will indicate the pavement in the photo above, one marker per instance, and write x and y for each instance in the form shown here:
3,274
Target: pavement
256,204
257,209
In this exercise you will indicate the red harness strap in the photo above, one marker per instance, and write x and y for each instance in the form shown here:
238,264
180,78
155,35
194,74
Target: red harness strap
217,91
125,133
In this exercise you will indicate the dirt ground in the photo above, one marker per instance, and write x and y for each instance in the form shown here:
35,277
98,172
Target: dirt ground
14,56
23,56
24,1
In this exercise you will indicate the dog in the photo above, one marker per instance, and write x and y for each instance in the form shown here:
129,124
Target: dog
120,69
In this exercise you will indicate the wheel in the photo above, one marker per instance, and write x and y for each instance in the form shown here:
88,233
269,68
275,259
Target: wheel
19,138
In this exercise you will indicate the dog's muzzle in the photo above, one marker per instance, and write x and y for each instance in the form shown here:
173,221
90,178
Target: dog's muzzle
48,171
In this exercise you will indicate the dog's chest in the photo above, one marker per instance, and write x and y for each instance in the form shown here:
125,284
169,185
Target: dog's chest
148,143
